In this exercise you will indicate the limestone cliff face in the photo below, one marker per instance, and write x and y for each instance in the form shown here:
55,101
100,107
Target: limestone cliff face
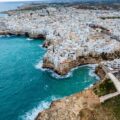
71,108
82,106
100,72
65,67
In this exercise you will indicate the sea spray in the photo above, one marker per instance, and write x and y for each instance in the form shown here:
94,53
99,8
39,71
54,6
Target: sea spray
53,74
29,39
41,46
92,70
70,73
32,114
91,85
1,36
39,65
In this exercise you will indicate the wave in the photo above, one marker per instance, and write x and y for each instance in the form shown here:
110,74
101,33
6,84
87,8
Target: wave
4,36
32,114
92,65
92,71
53,74
69,74
41,46
91,85
39,66
29,39
1,36
7,36
57,76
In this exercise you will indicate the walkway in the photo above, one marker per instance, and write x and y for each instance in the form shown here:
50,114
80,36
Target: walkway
106,97
115,81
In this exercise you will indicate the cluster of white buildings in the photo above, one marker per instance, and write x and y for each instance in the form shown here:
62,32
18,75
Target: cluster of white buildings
68,29
112,65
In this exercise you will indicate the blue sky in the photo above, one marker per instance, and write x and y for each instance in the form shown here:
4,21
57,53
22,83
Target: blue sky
17,0
9,0
57,0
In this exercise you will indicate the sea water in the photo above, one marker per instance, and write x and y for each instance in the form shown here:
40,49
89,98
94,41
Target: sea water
26,88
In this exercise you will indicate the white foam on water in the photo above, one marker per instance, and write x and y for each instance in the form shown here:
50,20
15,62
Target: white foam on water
2,36
91,85
92,71
39,65
32,114
46,87
41,46
53,74
70,74
57,76
7,36
29,39
92,65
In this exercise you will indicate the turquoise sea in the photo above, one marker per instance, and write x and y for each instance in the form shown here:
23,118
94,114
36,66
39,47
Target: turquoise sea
26,88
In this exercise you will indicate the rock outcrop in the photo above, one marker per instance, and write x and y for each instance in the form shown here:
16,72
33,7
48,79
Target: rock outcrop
65,67
71,108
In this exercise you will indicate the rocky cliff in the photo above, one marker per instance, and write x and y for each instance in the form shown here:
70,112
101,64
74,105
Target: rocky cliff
65,67
72,108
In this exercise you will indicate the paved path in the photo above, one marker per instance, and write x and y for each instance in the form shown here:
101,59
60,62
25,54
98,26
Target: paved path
106,97
115,81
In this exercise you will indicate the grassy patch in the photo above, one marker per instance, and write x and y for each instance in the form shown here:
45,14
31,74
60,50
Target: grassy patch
104,88
113,105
